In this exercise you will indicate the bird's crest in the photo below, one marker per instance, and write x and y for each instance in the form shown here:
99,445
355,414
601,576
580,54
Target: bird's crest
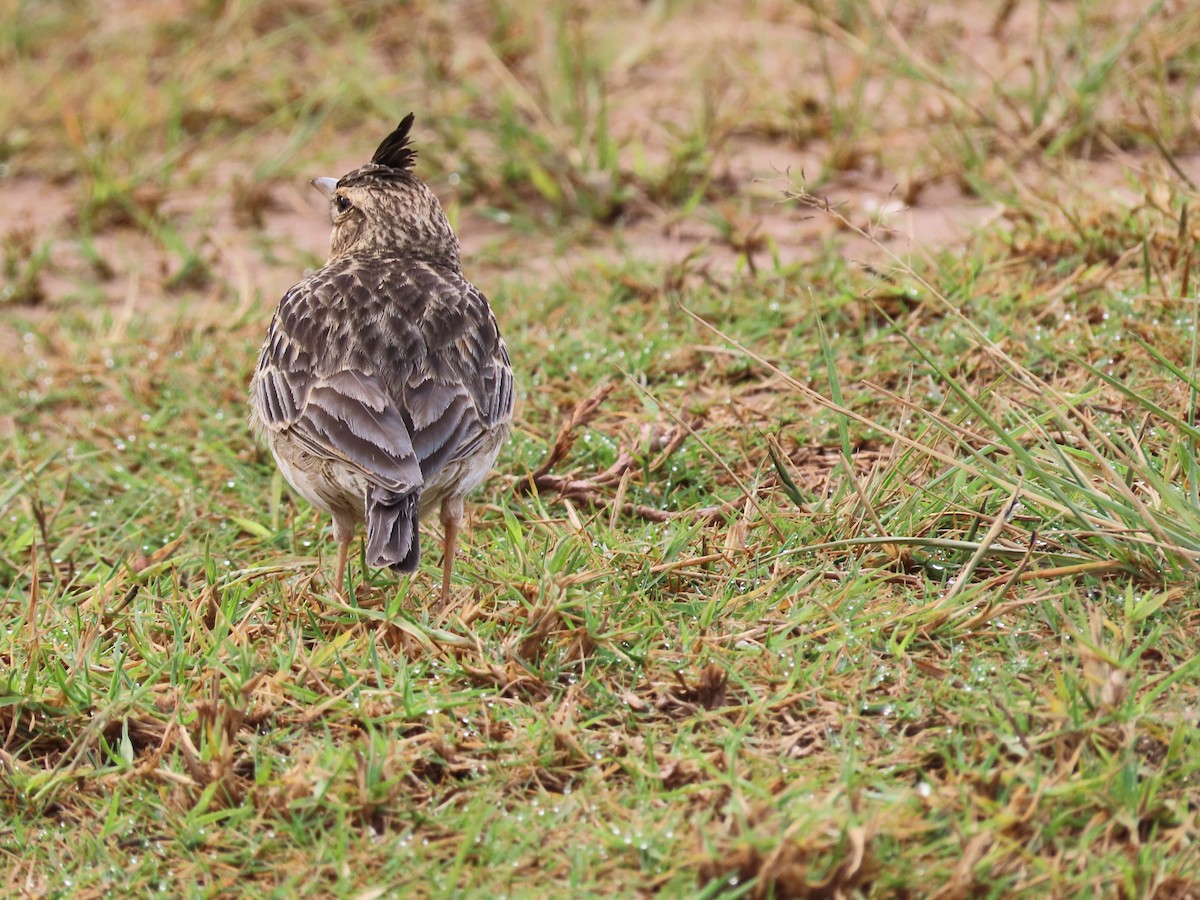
395,152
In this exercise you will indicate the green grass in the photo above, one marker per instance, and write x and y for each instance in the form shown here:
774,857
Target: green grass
819,563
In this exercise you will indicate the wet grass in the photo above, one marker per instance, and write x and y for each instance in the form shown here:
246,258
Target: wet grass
800,576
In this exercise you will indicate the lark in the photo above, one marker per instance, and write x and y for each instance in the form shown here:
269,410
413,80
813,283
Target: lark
383,389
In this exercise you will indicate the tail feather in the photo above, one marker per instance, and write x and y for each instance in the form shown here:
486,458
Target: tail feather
393,533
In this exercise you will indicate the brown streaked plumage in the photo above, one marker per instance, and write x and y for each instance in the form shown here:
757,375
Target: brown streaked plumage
383,389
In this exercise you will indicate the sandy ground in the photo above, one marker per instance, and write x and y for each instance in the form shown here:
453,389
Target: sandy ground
896,187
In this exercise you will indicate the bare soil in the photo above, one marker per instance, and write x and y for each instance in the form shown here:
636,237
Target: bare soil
772,83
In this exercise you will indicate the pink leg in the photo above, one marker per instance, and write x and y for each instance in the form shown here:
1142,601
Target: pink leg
339,581
452,510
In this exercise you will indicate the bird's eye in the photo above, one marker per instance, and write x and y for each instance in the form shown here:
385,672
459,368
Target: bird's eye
342,203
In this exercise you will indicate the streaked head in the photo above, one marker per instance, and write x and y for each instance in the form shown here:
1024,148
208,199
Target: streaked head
383,207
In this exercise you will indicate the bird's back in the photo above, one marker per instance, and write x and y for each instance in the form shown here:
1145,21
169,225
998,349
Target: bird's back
422,331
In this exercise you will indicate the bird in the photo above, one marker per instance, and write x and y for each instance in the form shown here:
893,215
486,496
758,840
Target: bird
384,389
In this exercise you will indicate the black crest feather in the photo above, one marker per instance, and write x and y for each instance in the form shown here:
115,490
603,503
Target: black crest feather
395,152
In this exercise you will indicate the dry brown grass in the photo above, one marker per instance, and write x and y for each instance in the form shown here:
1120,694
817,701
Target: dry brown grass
846,545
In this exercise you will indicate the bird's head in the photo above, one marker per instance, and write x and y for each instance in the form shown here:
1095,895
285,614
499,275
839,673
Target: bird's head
383,207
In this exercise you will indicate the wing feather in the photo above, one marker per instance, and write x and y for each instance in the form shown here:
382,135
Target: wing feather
400,412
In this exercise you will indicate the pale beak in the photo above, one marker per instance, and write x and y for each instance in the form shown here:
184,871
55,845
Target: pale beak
326,186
